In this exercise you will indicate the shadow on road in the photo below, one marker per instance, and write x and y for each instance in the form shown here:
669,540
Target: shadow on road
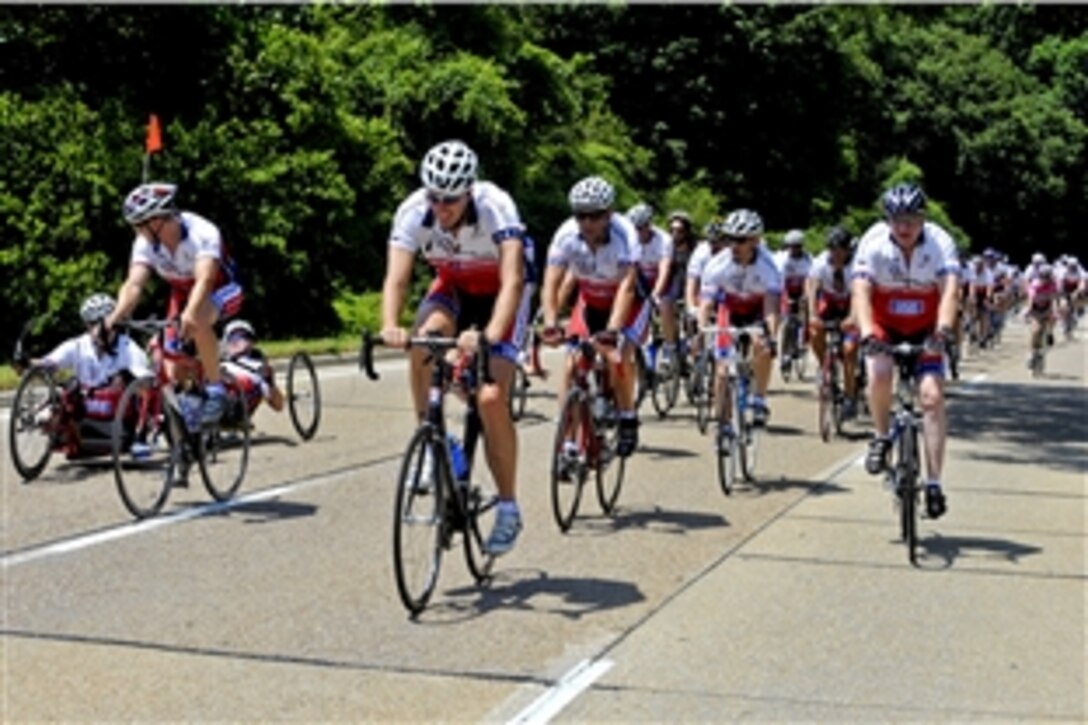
657,520
950,548
1003,412
539,592
762,488
659,452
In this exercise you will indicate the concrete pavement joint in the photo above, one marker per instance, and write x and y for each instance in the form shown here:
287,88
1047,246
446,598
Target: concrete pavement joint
784,559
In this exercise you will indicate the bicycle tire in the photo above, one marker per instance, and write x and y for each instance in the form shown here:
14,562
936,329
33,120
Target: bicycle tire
727,464
666,387
477,503
144,486
566,495
222,477
703,387
610,470
519,394
303,395
747,441
644,381
416,591
24,408
907,486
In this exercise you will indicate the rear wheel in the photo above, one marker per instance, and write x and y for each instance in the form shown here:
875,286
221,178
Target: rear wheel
747,439
727,451
570,464
666,387
519,393
481,505
702,387
144,483
610,468
303,395
644,378
35,411
419,518
223,452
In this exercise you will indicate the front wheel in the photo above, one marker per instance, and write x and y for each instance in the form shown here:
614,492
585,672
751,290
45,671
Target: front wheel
144,483
519,393
747,438
570,458
610,471
666,387
418,522
303,395
35,411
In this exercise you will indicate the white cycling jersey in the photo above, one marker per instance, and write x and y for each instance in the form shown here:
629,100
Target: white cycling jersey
652,252
599,272
978,276
835,287
794,270
80,356
469,259
200,239
742,288
699,258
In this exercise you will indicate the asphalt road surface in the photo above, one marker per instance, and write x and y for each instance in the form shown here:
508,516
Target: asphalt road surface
791,599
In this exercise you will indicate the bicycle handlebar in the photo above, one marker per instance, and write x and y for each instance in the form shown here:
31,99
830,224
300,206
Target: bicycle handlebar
435,344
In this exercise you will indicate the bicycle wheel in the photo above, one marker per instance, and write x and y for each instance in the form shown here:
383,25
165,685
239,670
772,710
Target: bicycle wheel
519,393
35,407
666,387
747,440
569,471
144,484
644,378
826,402
703,386
786,350
907,489
610,468
727,463
480,503
223,450
419,522
303,395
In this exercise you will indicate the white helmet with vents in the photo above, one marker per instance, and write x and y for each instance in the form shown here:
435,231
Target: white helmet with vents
449,168
743,223
592,194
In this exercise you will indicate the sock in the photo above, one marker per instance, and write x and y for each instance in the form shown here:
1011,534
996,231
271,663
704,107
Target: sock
931,482
215,389
627,415
508,506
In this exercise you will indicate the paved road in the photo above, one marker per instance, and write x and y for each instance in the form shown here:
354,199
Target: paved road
789,600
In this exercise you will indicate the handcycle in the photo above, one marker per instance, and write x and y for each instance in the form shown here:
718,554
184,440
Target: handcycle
49,416
428,514
739,450
589,420
904,474
303,396
166,416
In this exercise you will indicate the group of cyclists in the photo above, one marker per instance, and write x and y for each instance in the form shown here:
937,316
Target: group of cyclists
900,280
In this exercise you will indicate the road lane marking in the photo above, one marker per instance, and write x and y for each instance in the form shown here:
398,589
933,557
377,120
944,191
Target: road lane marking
562,693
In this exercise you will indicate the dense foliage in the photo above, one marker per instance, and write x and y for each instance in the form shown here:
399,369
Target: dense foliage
298,129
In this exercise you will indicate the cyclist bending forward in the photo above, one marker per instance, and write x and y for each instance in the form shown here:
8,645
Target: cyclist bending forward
470,233
906,290
186,250
828,292
600,249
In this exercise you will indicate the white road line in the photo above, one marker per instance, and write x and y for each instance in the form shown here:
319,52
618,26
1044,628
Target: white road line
562,693
141,527
980,378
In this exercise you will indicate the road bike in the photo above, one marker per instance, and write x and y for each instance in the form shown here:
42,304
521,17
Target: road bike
587,434
166,415
832,398
436,498
793,351
738,451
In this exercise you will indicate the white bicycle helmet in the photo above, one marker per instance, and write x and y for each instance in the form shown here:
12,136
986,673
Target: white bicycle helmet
148,201
449,168
640,214
96,308
592,194
235,326
1045,270
1038,258
794,238
743,223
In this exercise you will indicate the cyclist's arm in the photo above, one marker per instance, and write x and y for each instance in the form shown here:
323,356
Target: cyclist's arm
625,294
398,274
863,305
129,294
691,292
771,303
511,282
664,268
554,276
812,288
946,312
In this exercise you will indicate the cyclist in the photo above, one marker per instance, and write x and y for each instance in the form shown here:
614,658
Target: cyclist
744,285
1043,297
713,243
905,289
470,233
601,249
980,286
794,264
828,294
1072,281
655,272
249,366
187,251
101,367
529,344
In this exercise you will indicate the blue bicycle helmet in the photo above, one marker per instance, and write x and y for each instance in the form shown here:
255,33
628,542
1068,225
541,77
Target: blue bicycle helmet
904,198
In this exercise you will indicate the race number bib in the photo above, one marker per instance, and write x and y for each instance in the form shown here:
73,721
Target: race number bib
907,308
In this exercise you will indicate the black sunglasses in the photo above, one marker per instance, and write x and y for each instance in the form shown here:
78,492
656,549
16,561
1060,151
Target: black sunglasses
583,215
443,199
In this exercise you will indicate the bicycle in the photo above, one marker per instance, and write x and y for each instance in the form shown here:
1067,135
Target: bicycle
665,378
167,417
700,384
740,448
904,474
832,398
449,503
793,350
589,419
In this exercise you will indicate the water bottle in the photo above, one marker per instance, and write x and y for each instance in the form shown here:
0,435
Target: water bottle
457,457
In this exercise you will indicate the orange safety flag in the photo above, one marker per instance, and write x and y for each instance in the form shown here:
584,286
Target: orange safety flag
154,135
